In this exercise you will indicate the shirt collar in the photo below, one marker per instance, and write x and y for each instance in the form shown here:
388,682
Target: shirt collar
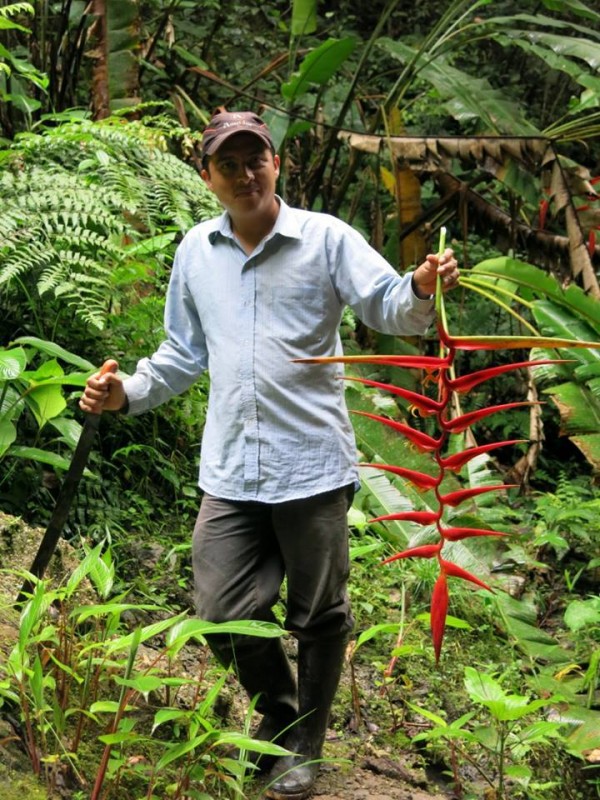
286,225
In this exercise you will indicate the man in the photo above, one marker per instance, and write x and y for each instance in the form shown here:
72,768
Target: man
251,291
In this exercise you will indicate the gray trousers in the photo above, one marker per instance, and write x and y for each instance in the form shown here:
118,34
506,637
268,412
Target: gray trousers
242,550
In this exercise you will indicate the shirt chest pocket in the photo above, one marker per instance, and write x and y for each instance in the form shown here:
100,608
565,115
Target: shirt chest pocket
297,314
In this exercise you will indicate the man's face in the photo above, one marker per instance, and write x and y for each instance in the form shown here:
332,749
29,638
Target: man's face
243,173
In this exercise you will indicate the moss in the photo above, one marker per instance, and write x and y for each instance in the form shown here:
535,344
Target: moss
19,786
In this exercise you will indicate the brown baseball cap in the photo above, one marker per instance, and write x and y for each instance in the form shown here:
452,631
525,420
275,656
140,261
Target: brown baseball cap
227,123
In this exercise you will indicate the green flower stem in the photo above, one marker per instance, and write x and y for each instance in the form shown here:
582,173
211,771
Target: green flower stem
477,288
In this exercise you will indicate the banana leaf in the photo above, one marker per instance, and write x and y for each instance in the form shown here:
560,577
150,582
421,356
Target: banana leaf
530,282
575,7
578,397
122,46
518,619
319,66
465,97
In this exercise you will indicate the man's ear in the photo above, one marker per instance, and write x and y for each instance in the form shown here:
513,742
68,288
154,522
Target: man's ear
276,162
205,175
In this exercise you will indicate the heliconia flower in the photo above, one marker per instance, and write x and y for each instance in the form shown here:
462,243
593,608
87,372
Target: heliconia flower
592,242
513,342
410,362
422,441
465,383
419,479
459,424
420,517
456,534
439,611
425,404
456,461
446,340
438,369
458,572
456,498
424,551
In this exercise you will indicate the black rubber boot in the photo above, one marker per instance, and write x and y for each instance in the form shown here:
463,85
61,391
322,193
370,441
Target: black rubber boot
319,669
263,669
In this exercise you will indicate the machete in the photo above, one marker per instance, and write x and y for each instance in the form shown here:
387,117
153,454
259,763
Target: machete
65,496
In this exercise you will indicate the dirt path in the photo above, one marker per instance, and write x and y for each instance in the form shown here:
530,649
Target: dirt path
366,778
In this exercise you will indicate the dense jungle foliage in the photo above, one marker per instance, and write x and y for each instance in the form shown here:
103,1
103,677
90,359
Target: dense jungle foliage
482,117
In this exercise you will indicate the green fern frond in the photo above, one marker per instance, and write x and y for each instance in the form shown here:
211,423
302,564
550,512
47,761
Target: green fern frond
14,9
76,196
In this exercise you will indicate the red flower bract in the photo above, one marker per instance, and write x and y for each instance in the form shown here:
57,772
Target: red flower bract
439,611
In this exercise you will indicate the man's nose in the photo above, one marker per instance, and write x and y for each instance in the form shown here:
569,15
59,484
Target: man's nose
247,171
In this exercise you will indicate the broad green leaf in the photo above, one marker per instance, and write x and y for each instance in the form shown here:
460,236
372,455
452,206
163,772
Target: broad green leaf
540,731
41,456
533,283
583,49
375,630
145,633
153,244
49,369
549,57
141,683
451,622
33,611
190,57
52,349
177,751
519,621
519,180
585,733
120,45
582,614
534,22
555,320
279,124
424,712
515,707
198,628
384,497
13,363
304,17
46,402
84,567
318,67
574,7
244,742
7,25
168,715
519,773
102,575
579,410
361,550
104,706
8,434
120,737
589,444
466,97
69,429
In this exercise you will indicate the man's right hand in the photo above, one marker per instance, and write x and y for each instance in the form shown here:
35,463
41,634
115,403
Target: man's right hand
103,390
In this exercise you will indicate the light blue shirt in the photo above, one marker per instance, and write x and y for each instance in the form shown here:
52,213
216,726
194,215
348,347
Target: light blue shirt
275,430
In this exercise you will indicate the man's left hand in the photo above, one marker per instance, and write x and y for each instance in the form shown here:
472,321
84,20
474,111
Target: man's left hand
425,276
